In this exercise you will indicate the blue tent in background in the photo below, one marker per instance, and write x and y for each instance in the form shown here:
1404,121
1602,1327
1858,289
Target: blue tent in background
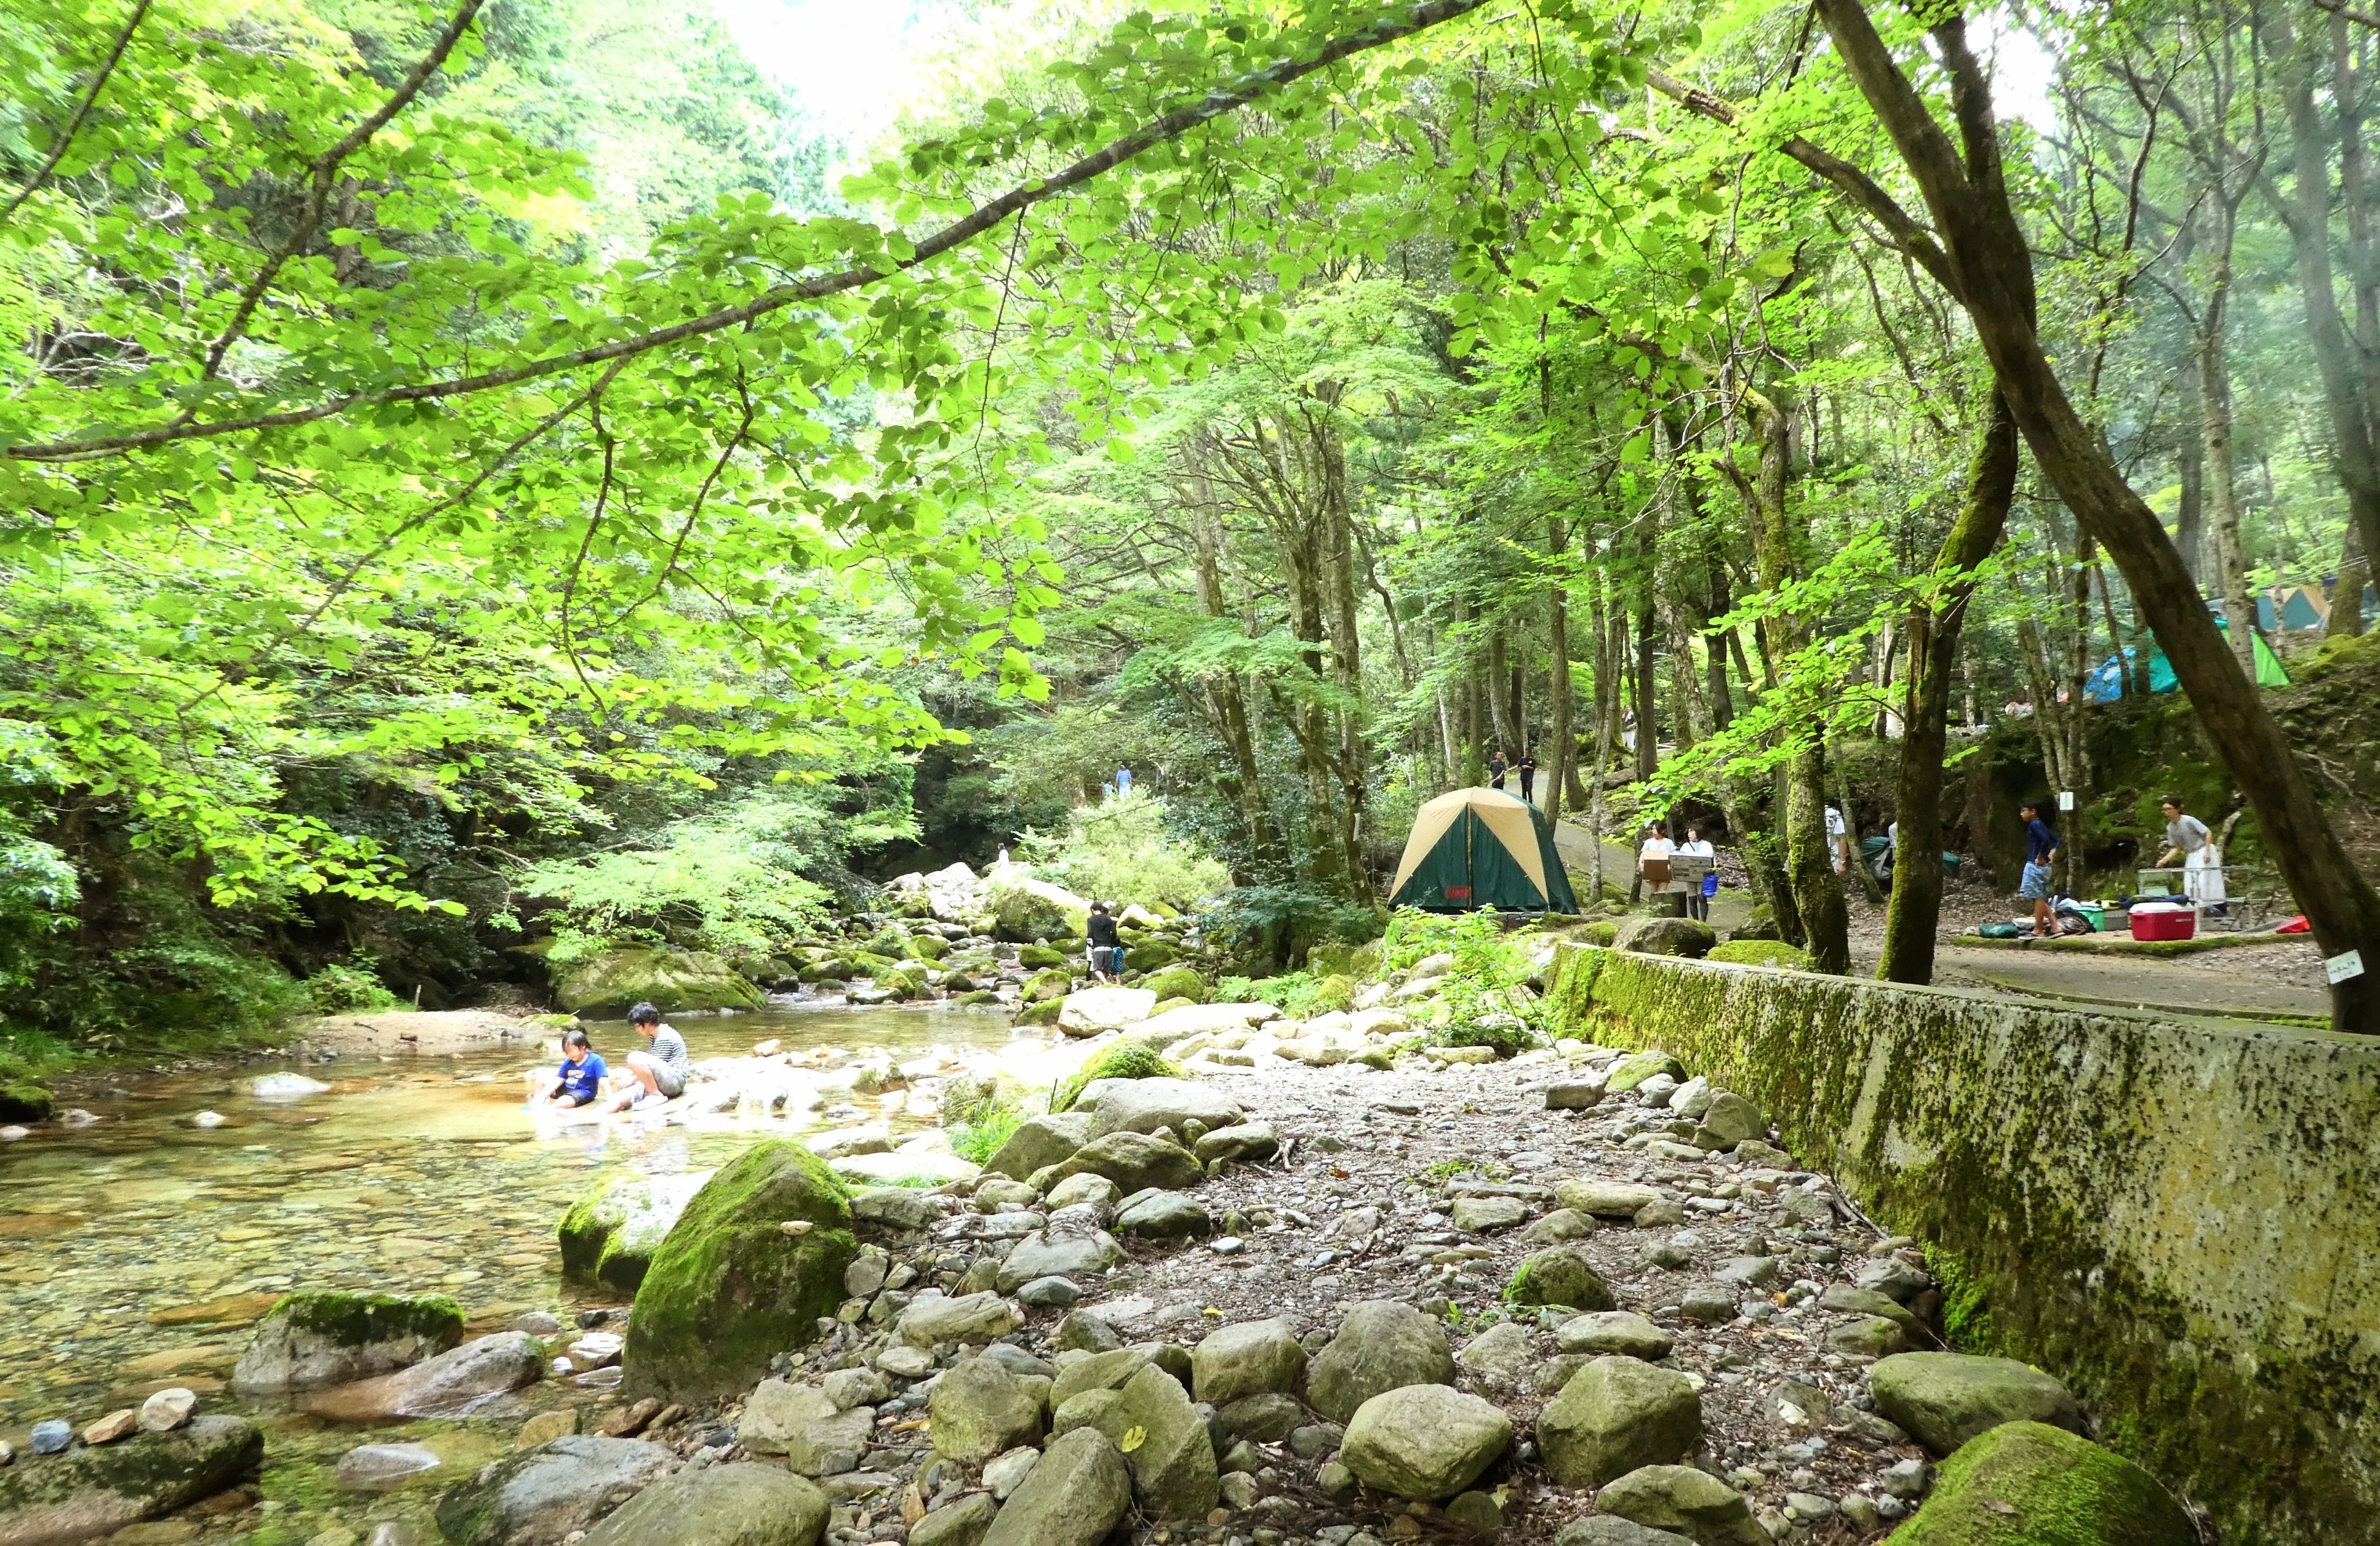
2107,683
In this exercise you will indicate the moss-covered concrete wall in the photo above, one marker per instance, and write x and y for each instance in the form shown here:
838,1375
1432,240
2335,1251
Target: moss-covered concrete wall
2180,1217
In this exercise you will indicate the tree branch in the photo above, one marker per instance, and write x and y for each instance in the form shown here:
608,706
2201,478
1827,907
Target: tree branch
82,111
1215,105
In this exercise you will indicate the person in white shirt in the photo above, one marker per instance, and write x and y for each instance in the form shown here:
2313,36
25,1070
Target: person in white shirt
1838,840
2187,838
1698,898
1657,843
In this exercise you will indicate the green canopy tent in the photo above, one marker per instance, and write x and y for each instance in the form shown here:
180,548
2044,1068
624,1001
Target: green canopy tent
1481,847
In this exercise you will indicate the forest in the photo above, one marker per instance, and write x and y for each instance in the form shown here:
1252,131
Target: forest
498,477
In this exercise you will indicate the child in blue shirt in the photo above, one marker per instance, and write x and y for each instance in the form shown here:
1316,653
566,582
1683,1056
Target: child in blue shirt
579,1081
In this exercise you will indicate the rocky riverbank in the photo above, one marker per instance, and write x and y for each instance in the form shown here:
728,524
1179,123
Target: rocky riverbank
1338,1289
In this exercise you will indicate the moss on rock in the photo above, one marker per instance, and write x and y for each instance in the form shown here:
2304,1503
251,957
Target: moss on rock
731,1287
2029,1484
26,1103
609,1235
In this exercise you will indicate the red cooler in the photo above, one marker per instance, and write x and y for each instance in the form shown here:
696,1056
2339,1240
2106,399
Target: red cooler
2164,921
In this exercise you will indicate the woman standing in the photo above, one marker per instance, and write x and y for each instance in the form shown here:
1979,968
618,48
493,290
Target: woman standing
2187,838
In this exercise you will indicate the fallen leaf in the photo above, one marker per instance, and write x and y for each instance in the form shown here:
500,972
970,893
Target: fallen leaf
1135,1437
1996,1506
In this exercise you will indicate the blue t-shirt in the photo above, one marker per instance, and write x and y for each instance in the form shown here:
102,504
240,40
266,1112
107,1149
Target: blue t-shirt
2039,841
581,1082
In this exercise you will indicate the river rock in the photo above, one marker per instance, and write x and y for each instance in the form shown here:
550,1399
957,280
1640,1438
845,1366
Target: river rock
1729,1122
1198,1019
1078,1494
371,1467
1501,1353
980,1409
730,1288
1615,1415
326,1338
610,1233
1095,1192
537,1497
1004,1474
1146,1104
452,1384
1572,1094
1613,1331
606,984
1639,1067
1249,1358
1380,1345
1666,937
2007,1486
1425,1441
1106,1371
22,1102
167,1410
1267,1417
93,1491
1041,1141
1099,1009
855,1387
1049,1253
1479,1214
802,1423
933,1319
51,1436
1692,1502
1173,1464
287,1087
1245,1142
1025,909
894,1207
1609,1529
1162,1215
560,1423
1134,1162
1605,1198
963,1523
1945,1399
1844,1299
719,1505
1558,1276
122,1423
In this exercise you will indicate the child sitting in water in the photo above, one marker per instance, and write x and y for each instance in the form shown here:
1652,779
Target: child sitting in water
581,1077
655,1073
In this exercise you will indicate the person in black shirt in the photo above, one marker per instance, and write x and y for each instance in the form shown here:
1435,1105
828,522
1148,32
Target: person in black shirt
1496,769
2040,855
1107,949
1527,768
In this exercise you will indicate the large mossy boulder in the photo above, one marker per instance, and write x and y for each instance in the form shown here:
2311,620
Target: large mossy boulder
754,1260
1166,1446
2029,1484
1560,1276
1176,982
1616,1415
26,1103
89,1493
329,1337
607,984
609,1235
542,1496
1133,1160
1041,1140
1026,909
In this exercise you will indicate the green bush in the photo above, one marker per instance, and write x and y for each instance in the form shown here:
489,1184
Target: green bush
343,990
1121,850
978,1137
1122,1060
1761,952
1603,932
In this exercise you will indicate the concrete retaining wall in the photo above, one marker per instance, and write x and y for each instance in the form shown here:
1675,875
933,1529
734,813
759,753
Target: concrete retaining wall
2180,1217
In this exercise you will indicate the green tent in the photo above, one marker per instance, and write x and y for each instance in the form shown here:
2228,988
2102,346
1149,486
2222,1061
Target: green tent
1481,847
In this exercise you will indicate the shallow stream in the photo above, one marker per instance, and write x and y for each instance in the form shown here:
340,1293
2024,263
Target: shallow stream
136,1251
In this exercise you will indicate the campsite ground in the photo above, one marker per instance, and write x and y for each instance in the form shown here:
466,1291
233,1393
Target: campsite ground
2279,979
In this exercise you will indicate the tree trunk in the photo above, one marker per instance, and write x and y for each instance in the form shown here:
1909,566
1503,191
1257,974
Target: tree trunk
1559,749
2189,470
1354,747
1227,705
2346,618
1990,269
1649,752
1498,702
1914,914
1822,914
1722,704
2222,476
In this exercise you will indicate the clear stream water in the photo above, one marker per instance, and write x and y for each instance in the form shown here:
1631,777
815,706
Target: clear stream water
136,1251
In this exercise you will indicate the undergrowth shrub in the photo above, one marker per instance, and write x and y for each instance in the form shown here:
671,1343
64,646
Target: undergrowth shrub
1123,1060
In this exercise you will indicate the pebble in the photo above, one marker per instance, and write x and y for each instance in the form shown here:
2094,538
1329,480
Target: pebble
209,1120
119,1424
51,1437
1227,1245
12,1133
167,1410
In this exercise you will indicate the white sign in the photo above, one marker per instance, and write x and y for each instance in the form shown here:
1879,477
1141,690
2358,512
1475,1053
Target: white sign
2344,966
2065,799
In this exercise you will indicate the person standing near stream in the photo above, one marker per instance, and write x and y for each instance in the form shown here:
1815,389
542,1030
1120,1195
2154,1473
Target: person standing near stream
1106,953
2040,854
